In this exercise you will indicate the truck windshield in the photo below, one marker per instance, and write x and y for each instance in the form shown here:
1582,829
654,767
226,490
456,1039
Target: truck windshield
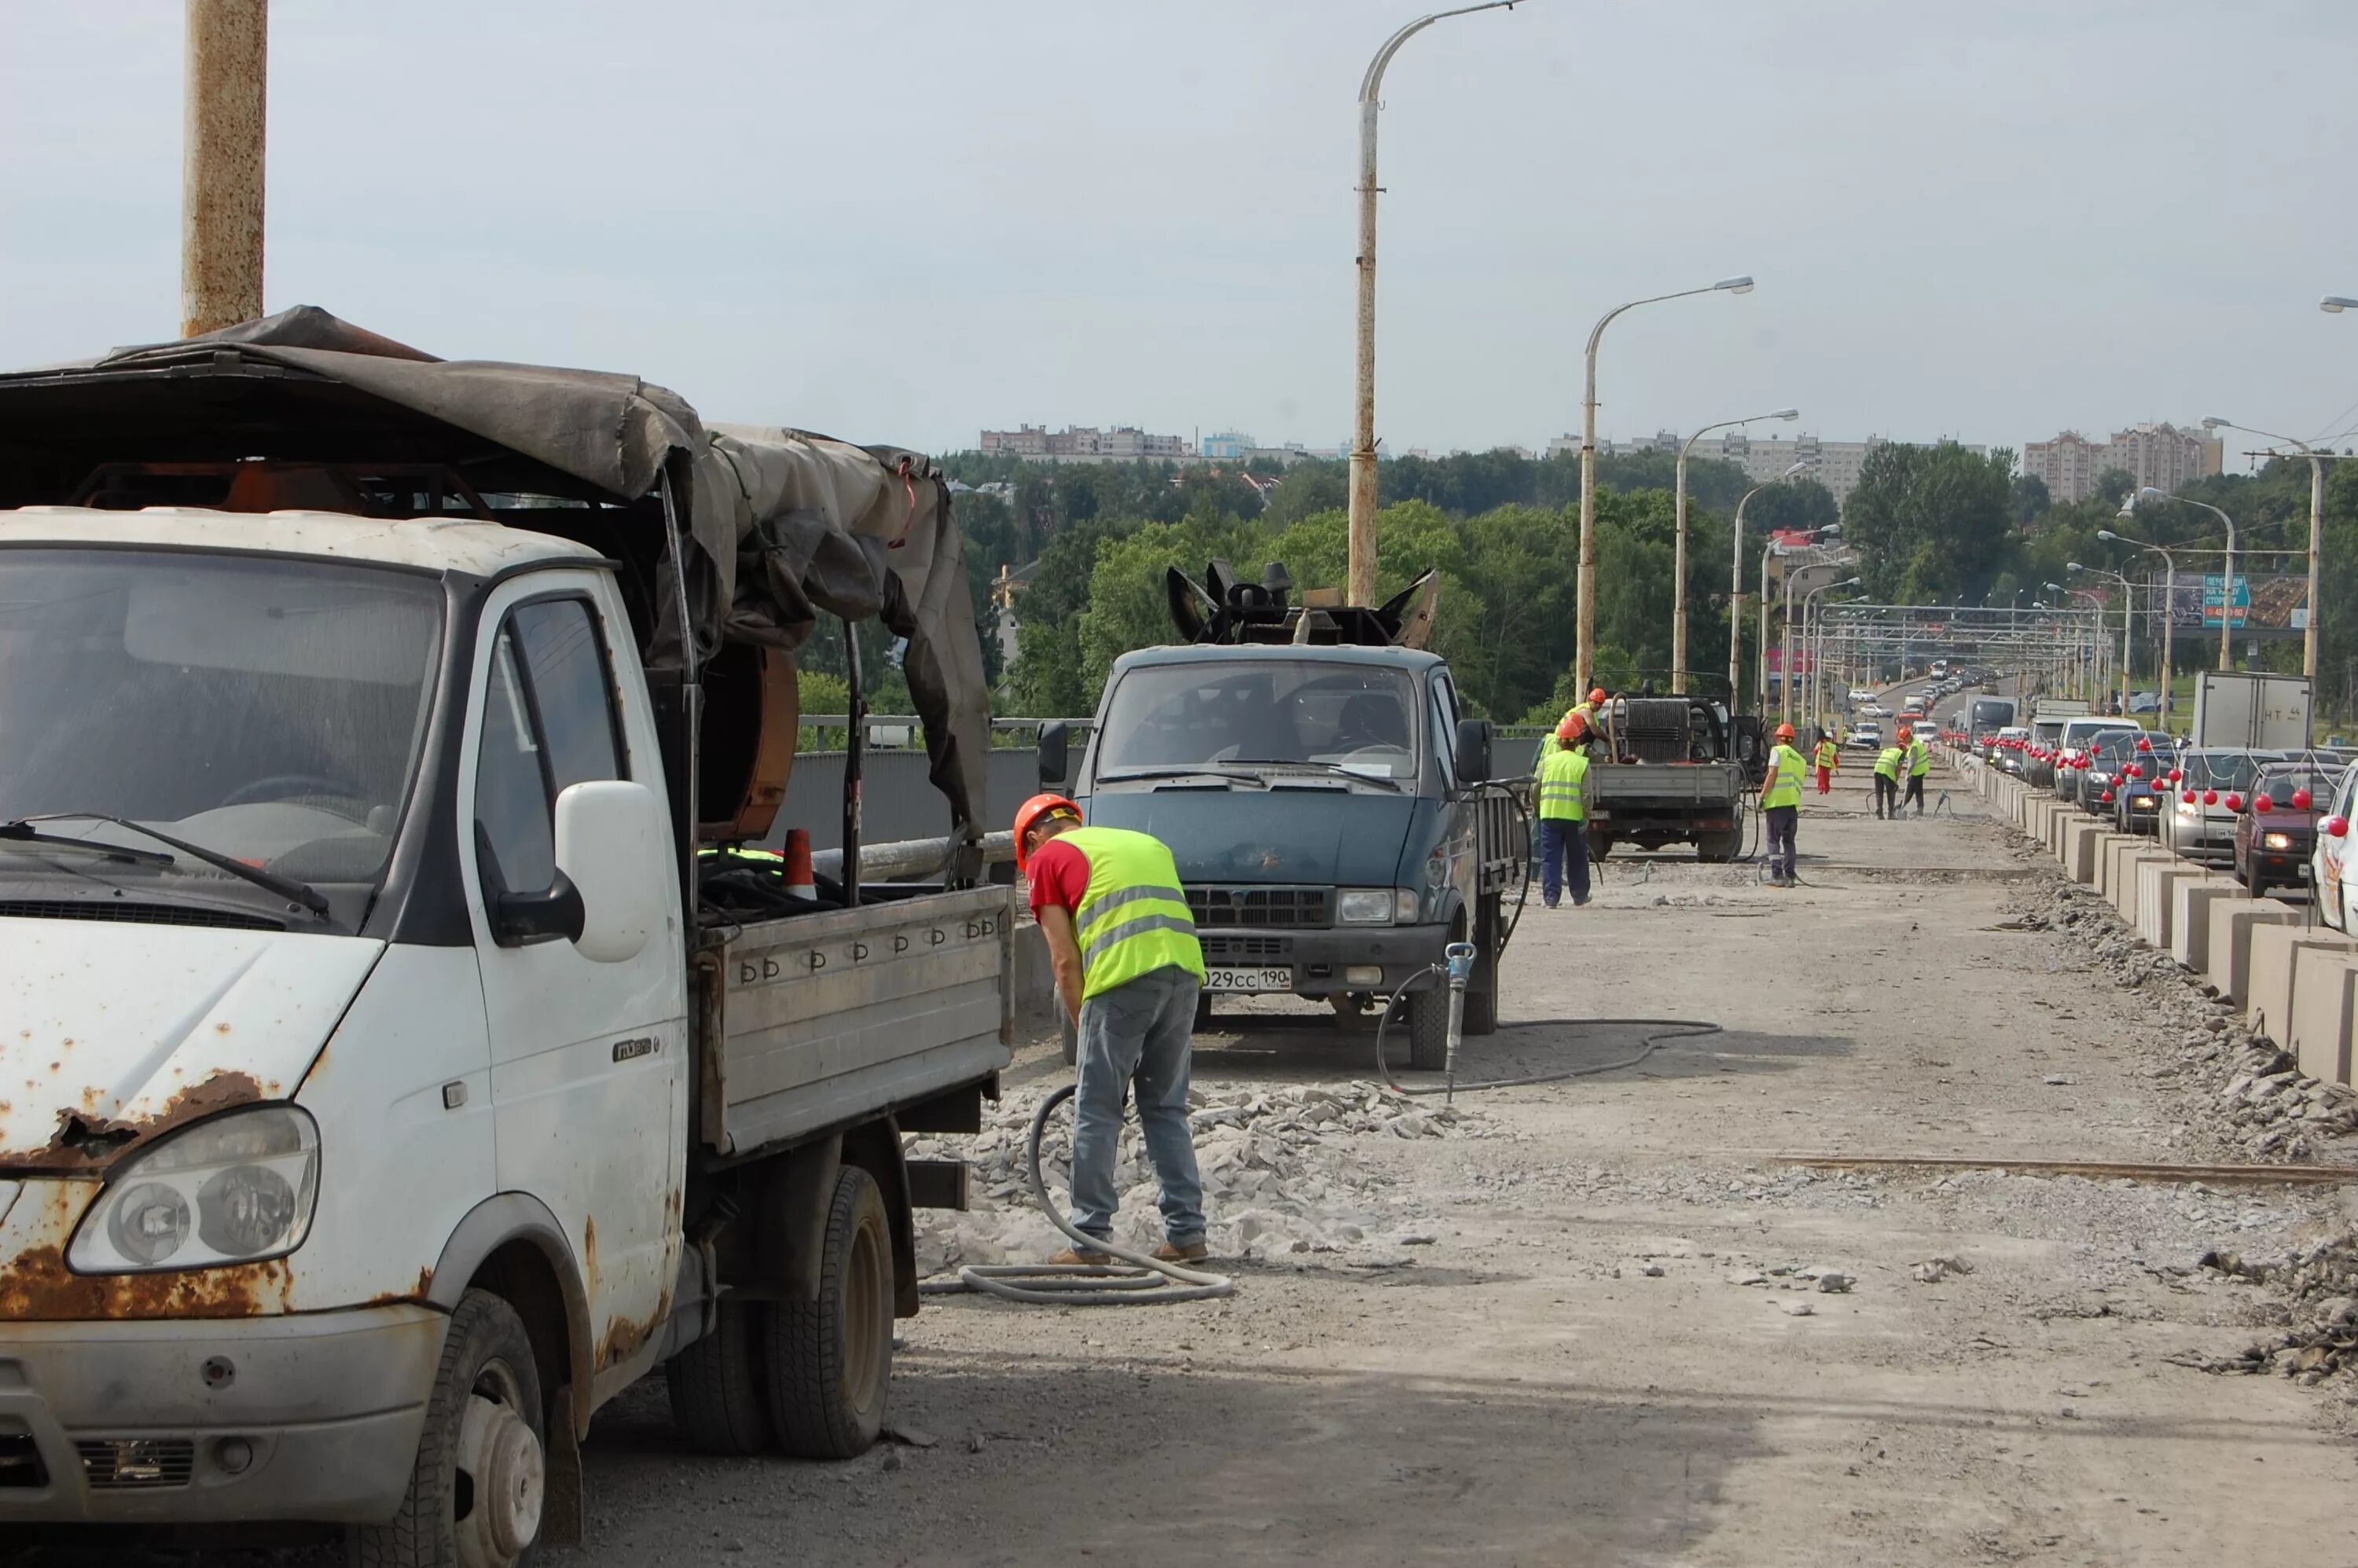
267,709
1356,718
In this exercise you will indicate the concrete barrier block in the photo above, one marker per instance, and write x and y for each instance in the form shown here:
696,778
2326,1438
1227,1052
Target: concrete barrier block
2232,921
2063,820
2111,848
2277,953
2054,836
2079,835
2157,900
2190,900
2325,1013
2121,886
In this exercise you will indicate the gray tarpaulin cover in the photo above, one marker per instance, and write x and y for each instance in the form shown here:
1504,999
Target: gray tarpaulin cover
781,524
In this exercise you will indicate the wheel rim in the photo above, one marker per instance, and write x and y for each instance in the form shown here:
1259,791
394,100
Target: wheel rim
867,1329
502,1473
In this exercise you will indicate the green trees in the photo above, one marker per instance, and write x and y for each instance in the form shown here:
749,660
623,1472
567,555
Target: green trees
1932,522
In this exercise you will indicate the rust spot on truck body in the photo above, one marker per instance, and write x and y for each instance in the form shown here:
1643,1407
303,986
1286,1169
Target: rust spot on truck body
86,1141
35,1286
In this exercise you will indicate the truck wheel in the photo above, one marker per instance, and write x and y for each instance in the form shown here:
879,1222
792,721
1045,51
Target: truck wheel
475,1494
1072,1036
830,1361
1482,990
716,1386
1203,1015
1428,1029
1719,848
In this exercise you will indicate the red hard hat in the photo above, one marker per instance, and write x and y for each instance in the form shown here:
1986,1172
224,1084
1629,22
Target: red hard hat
1597,694
1028,816
1784,732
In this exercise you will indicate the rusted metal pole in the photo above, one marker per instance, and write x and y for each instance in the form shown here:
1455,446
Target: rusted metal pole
221,164
1361,588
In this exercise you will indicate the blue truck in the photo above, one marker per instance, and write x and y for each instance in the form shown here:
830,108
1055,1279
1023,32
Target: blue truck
1326,795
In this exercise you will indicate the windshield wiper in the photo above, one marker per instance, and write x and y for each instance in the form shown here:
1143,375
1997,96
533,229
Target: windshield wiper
287,888
1128,774
1347,772
24,833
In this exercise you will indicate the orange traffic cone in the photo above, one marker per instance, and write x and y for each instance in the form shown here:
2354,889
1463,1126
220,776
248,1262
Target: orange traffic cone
798,865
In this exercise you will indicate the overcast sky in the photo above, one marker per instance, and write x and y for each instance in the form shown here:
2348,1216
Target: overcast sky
906,222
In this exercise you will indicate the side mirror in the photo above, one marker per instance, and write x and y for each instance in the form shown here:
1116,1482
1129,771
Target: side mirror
610,849
521,919
1055,747
1473,752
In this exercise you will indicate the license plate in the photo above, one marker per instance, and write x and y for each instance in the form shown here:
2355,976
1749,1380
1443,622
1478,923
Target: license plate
1280,979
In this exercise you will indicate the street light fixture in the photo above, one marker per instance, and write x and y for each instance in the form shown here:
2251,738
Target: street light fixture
1678,562
2335,304
1785,676
1814,637
1586,654
2168,601
2128,602
1736,587
2227,591
2316,529
1362,587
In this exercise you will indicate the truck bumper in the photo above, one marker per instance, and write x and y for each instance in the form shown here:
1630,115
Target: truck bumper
1322,959
313,1417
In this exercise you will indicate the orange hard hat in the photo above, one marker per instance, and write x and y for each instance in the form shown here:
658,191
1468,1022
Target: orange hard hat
1028,816
1907,733
1573,726
1597,695
1784,732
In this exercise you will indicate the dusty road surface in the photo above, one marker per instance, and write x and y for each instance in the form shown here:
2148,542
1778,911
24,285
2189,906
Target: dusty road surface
1604,1321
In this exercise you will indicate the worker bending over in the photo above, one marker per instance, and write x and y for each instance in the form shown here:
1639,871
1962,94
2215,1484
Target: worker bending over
1564,814
1829,757
1920,763
1780,799
1887,781
1127,968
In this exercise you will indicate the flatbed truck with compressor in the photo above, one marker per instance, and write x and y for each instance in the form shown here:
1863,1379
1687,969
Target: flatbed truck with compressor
391,1078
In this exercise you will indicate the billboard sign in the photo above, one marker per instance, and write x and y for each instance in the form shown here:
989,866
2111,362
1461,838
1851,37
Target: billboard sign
2266,605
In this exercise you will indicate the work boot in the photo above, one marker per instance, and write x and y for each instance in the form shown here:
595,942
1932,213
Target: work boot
1071,1255
1182,1252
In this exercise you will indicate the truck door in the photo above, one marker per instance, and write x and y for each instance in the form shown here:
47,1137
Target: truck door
588,1059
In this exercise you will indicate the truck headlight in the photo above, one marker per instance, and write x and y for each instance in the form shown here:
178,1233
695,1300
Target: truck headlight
235,1188
1365,907
2275,840
1405,909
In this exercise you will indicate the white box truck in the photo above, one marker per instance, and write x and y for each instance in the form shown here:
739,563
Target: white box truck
2250,710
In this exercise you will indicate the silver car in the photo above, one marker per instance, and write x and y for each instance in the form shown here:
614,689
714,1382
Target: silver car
2203,828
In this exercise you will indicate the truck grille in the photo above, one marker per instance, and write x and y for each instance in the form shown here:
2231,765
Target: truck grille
119,1464
1230,949
1254,905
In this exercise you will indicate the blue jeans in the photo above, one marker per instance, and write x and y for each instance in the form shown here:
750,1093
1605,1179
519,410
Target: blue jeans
1563,856
1139,1033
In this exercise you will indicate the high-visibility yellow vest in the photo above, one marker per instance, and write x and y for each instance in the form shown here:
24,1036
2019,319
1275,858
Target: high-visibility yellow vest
1829,754
1133,920
1786,771
1920,759
1563,787
1887,763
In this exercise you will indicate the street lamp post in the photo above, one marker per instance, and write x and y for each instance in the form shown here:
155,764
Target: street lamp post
2128,605
2168,602
2316,532
1362,436
1679,560
1813,638
1585,655
2227,591
1736,588
1761,672
1785,663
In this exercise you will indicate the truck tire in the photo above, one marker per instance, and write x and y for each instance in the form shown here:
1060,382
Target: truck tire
1428,1028
1482,990
1719,848
1072,1036
476,1490
829,1362
716,1399
1203,1016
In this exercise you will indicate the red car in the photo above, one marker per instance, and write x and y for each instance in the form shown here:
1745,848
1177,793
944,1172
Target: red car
2278,826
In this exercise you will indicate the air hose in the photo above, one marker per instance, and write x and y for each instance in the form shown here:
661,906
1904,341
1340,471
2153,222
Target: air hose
1456,970
1148,1282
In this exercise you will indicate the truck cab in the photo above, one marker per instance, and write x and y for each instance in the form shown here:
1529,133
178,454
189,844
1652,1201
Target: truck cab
1330,810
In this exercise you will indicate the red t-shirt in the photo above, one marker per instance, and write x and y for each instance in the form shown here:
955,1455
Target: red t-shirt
1059,873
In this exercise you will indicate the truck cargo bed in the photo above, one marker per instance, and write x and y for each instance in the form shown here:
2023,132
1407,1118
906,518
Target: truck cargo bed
1665,784
826,1020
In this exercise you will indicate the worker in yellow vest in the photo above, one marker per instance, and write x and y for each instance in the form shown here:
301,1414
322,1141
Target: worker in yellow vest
1781,800
1920,763
1828,759
1563,816
1887,781
1128,966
